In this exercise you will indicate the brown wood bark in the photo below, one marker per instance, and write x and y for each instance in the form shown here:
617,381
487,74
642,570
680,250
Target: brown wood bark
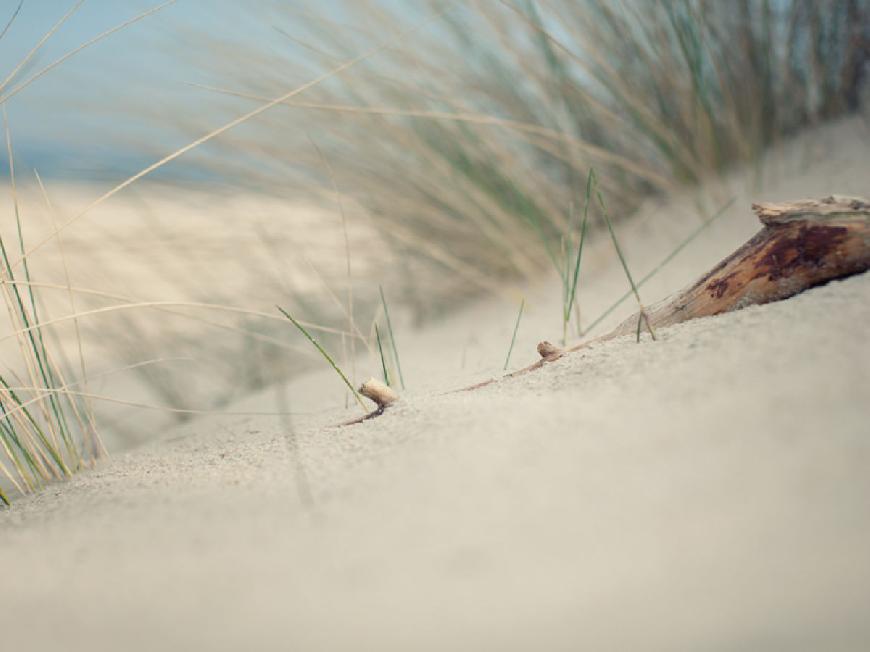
802,244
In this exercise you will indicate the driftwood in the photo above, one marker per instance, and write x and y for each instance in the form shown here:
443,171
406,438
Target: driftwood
802,244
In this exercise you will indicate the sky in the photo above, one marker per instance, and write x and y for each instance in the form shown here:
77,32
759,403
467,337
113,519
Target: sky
122,103
85,116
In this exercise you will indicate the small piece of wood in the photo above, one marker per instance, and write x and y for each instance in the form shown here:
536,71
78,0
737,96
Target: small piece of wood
378,392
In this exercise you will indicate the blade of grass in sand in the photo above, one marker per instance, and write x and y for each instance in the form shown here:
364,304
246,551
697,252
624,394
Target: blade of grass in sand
571,296
507,360
392,336
325,355
594,179
381,351
694,234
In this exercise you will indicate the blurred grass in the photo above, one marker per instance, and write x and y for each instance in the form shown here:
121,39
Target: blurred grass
468,144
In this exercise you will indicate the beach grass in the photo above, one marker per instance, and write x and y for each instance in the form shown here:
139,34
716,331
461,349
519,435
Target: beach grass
468,144
325,355
507,359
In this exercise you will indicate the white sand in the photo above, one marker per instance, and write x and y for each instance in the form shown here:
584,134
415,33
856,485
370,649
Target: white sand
709,491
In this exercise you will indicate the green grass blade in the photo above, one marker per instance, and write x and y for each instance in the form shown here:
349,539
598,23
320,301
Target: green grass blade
514,336
49,447
381,352
325,355
392,336
576,275
664,261
618,249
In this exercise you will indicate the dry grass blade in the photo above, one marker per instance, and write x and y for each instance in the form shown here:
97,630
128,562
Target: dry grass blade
381,352
211,135
54,64
36,48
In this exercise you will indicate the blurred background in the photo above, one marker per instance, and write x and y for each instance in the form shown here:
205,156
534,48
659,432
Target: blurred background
442,154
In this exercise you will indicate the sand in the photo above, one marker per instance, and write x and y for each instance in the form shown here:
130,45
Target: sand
708,491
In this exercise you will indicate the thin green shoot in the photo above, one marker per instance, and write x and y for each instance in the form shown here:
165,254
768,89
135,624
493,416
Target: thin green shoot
571,291
643,315
325,355
381,352
655,270
507,360
392,336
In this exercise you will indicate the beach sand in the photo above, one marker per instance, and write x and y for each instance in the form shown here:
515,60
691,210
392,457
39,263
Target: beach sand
708,491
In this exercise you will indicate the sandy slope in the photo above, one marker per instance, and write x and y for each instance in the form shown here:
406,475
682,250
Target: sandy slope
705,492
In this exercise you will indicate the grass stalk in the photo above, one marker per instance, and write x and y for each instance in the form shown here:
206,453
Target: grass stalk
593,180
664,261
507,359
392,336
381,352
323,352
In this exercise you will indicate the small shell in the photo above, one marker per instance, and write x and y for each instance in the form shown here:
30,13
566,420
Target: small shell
549,351
381,394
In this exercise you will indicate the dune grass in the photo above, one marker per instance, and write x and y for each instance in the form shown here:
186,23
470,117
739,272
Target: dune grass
325,355
507,359
381,353
392,336
468,144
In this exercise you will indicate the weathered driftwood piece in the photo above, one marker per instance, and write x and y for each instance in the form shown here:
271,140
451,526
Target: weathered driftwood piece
802,244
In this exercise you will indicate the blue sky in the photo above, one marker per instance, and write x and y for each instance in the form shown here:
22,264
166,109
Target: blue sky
78,118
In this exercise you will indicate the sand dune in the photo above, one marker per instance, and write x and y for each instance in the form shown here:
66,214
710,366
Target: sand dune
708,491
